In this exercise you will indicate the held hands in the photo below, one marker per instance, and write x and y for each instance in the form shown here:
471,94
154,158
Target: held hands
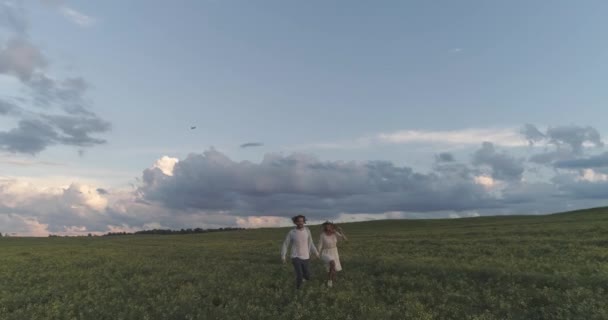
317,255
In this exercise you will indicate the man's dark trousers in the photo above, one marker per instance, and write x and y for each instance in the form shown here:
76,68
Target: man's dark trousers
302,270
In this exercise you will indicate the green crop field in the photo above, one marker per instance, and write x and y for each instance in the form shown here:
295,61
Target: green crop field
512,267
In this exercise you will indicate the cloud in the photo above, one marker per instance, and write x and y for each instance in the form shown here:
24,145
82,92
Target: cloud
14,224
574,136
210,190
484,180
259,222
595,161
444,157
582,185
251,144
68,93
23,162
537,194
593,176
8,108
31,136
82,195
75,130
502,165
532,134
61,209
284,185
67,118
71,14
77,17
20,58
166,165
507,137
465,215
566,142
12,16
549,157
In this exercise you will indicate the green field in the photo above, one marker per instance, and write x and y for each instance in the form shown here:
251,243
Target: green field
515,267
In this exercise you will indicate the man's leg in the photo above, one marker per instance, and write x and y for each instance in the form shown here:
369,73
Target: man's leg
297,266
305,269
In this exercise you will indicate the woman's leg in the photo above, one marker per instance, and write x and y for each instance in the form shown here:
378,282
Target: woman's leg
332,270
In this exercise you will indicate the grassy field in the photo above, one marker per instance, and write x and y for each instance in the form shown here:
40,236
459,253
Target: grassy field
516,267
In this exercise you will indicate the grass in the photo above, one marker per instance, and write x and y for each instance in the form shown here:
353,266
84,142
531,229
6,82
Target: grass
511,267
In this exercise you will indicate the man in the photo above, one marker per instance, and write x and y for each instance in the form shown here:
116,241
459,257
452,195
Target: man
301,247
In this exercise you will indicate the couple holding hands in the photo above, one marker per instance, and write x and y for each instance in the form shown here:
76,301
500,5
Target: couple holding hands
302,246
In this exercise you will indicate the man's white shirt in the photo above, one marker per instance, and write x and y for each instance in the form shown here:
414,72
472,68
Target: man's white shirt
301,244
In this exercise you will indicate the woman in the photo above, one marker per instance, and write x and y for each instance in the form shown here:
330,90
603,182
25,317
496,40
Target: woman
329,251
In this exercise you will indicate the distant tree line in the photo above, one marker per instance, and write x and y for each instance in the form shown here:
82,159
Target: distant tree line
169,231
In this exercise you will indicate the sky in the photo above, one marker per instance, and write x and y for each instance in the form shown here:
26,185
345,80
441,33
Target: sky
130,115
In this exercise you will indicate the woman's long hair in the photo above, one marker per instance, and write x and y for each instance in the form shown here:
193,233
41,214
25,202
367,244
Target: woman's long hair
334,226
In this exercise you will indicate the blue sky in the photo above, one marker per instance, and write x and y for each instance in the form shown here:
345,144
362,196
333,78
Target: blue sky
316,83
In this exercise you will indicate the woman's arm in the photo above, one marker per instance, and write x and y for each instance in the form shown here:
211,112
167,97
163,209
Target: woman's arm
320,244
341,234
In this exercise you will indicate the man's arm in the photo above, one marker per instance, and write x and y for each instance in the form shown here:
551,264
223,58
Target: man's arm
285,246
311,244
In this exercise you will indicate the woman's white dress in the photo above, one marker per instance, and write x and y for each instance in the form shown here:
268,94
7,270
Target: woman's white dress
329,250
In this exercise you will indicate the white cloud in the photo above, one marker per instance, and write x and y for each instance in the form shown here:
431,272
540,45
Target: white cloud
260,222
505,137
355,217
485,180
50,207
122,228
470,214
166,164
26,162
592,176
16,192
21,58
17,225
78,195
77,17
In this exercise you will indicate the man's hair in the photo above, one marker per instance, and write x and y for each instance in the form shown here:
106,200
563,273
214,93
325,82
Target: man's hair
298,216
